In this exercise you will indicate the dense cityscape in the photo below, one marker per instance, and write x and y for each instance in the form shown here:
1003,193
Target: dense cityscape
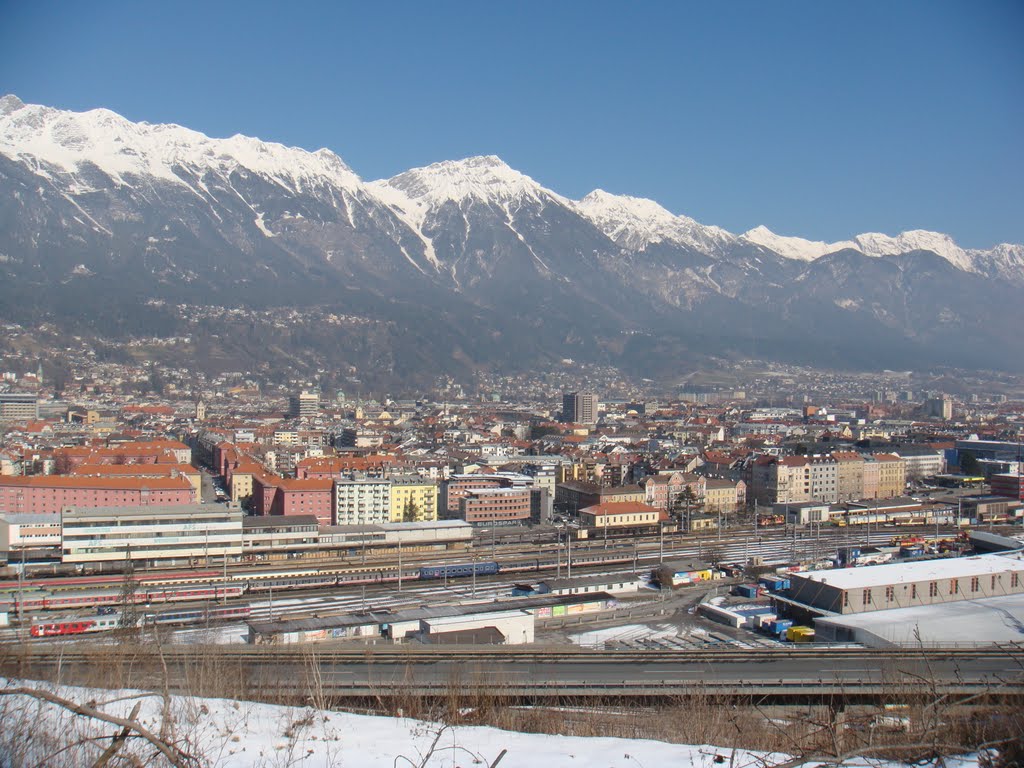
569,385
267,473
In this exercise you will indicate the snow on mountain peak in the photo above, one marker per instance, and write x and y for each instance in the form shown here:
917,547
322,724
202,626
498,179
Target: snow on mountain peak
9,103
791,247
635,208
636,222
486,178
63,144
120,148
877,244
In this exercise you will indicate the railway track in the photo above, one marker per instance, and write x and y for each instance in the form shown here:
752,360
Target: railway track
533,674
533,653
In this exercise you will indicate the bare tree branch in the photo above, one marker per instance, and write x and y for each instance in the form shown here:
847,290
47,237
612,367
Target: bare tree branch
177,757
871,751
118,740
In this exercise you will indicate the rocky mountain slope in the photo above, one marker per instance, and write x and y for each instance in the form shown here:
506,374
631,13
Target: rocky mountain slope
469,262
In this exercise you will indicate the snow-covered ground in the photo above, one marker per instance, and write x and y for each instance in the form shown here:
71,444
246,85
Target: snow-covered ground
225,733
596,638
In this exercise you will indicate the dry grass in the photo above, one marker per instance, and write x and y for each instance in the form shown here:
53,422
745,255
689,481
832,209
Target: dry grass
913,722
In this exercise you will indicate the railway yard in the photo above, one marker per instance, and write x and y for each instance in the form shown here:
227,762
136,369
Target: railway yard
214,604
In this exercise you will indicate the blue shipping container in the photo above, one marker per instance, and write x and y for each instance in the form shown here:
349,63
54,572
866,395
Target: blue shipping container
779,626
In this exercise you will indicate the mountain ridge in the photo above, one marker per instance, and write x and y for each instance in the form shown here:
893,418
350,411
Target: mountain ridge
254,154
100,214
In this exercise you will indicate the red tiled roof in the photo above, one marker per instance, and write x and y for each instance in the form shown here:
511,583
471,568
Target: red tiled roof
619,508
310,484
139,470
111,483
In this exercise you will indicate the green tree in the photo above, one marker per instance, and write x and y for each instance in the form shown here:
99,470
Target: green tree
687,501
409,513
969,463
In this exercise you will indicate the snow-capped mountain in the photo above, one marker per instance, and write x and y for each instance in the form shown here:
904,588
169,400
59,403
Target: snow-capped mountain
1005,261
99,214
174,203
64,143
419,195
635,223
483,179
792,247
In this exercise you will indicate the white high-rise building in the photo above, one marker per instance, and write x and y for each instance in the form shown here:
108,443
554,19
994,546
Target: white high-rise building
362,501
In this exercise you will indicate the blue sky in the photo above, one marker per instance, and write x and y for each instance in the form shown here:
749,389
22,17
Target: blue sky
819,119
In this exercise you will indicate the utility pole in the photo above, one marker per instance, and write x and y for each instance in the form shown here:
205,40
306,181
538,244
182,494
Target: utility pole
129,615
21,590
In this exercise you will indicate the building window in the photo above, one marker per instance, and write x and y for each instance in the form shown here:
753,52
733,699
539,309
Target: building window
954,587
933,589
913,591
867,597
890,594
975,584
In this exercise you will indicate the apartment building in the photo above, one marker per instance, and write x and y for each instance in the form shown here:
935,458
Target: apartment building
142,470
362,501
304,405
849,475
842,476
304,497
663,490
496,506
790,480
18,406
457,487
824,476
413,499
724,496
921,462
579,408
892,475
1009,485
52,493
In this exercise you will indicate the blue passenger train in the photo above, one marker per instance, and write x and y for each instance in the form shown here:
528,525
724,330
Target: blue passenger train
489,568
